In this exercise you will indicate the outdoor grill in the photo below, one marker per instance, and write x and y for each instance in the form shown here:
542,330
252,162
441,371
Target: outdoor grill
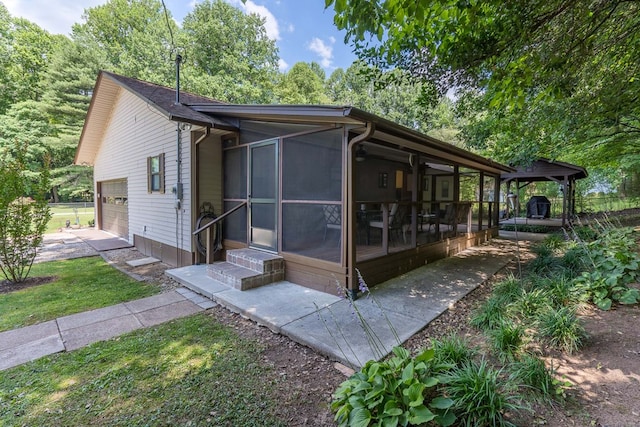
538,207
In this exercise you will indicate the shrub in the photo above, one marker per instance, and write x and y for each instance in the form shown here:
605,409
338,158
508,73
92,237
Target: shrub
22,219
397,391
526,228
562,329
479,399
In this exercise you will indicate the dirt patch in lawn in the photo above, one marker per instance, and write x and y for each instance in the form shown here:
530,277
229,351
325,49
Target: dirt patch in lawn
7,286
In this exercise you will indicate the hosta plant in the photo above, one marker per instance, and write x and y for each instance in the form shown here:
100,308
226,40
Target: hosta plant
614,264
397,391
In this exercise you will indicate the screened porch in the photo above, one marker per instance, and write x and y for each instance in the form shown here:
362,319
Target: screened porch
403,200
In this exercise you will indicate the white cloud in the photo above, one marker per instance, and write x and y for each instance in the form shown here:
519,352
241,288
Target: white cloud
282,65
291,28
323,50
55,16
270,24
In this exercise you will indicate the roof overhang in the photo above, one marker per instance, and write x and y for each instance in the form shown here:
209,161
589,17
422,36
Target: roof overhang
385,130
106,92
546,170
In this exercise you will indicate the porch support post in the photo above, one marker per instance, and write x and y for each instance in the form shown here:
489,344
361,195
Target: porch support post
481,199
496,202
209,257
414,199
565,188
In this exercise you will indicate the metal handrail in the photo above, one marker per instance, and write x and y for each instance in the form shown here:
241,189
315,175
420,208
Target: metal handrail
220,218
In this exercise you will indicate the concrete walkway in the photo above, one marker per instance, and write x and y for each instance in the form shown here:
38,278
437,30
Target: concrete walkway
68,333
392,313
334,326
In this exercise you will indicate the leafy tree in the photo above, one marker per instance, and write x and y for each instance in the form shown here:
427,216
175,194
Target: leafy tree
401,99
228,55
134,38
318,70
22,219
301,85
30,50
69,81
24,52
5,49
547,77
26,121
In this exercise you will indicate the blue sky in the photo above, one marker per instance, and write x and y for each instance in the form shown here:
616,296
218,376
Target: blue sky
302,29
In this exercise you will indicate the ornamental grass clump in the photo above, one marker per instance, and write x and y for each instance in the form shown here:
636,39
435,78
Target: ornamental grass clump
452,351
561,329
545,262
532,376
529,304
508,289
482,395
508,340
491,314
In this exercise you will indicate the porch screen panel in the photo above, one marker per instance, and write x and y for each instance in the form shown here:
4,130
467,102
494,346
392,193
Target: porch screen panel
470,192
312,195
309,231
235,173
489,210
234,227
312,166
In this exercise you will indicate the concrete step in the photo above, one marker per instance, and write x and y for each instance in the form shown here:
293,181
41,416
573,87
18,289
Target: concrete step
241,278
247,269
261,262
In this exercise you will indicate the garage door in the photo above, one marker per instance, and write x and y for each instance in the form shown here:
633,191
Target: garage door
113,206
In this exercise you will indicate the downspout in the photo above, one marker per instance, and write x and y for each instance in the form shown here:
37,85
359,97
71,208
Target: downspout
177,190
351,216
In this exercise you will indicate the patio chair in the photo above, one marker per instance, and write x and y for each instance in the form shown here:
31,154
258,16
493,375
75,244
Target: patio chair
455,214
396,220
333,219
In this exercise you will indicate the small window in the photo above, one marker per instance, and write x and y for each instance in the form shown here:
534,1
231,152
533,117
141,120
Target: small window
155,174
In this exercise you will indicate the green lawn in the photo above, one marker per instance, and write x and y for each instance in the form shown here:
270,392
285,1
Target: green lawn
81,284
192,371
76,215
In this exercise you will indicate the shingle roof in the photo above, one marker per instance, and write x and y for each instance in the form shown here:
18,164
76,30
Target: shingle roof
164,98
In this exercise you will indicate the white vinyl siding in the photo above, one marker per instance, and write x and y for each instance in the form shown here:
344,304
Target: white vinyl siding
136,131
